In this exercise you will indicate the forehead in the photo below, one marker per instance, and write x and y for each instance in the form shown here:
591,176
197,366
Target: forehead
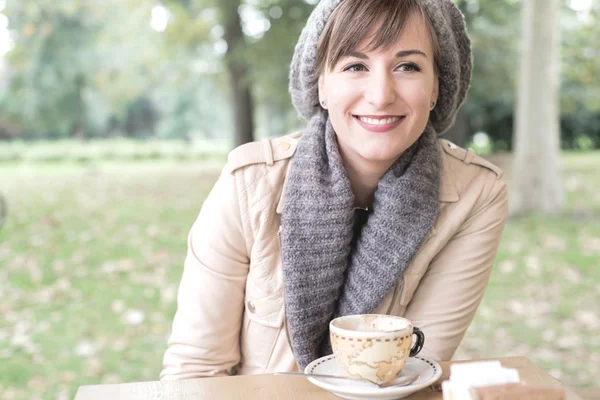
414,36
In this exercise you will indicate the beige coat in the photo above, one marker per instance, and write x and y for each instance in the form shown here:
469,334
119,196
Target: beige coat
231,317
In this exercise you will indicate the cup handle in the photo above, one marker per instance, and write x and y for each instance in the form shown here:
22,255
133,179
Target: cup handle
418,345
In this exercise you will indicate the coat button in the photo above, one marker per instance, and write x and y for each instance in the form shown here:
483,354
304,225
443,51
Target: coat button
284,145
251,307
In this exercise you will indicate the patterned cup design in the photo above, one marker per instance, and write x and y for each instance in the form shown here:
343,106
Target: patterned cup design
373,347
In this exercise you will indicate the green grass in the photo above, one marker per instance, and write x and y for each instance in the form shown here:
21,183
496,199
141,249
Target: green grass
114,149
543,295
91,257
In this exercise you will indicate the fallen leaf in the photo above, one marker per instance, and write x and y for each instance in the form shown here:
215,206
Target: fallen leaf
589,319
85,349
134,317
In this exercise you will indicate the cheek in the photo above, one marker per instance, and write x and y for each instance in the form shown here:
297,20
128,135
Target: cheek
341,95
418,95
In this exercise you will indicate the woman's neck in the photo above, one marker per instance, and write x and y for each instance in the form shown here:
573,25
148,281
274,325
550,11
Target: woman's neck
364,177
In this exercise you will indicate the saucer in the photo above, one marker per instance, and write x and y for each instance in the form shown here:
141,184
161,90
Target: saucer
429,372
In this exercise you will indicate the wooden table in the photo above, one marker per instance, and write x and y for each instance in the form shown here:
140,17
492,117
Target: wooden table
261,387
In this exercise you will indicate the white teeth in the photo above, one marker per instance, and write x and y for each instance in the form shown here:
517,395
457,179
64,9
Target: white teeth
380,121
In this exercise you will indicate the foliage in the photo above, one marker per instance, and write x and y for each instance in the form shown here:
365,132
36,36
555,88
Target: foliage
71,72
492,25
580,100
495,31
97,69
270,69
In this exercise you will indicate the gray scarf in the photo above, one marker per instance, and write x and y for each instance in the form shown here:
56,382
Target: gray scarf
324,275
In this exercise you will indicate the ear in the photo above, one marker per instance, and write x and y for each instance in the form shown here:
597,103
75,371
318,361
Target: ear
436,89
322,90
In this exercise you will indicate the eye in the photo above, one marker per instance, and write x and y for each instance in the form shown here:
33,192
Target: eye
409,67
355,68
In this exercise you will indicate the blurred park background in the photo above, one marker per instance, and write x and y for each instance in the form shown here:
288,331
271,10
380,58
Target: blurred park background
116,117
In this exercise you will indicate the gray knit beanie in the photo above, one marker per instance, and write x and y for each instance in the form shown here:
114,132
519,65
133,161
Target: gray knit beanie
454,62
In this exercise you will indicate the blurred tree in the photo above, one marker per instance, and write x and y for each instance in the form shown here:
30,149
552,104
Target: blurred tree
69,74
51,56
8,130
494,30
191,93
141,118
270,56
537,184
459,132
237,68
259,38
78,67
229,20
580,68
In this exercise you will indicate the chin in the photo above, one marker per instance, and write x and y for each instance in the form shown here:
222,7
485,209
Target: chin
383,148
379,155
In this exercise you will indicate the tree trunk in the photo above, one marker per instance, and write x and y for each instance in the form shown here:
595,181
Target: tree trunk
537,184
78,128
237,68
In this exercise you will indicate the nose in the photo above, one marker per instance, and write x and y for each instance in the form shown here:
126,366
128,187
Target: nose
380,91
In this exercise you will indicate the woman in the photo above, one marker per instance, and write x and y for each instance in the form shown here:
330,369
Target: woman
365,211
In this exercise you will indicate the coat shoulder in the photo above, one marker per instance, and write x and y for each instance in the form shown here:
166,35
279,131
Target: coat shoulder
468,157
267,151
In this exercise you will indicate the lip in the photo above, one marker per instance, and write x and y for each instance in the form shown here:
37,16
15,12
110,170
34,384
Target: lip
379,128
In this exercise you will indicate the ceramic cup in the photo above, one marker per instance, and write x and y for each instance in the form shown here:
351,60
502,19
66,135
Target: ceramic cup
373,346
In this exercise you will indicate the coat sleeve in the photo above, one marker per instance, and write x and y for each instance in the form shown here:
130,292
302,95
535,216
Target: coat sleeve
205,339
449,293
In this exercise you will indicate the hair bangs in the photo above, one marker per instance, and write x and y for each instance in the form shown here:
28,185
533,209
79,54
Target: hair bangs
379,21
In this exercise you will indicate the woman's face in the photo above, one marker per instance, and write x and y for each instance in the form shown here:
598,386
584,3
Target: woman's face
379,101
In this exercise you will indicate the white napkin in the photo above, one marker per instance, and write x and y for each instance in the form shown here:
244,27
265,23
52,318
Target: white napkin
465,376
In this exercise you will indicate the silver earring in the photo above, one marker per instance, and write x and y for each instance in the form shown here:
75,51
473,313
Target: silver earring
323,103
432,105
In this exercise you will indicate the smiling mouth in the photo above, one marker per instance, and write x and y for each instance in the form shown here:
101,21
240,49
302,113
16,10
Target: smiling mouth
385,120
379,123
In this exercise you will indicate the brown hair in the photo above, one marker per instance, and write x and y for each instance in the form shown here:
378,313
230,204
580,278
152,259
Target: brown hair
353,20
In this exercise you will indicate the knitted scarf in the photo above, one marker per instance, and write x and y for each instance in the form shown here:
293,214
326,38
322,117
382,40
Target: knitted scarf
324,275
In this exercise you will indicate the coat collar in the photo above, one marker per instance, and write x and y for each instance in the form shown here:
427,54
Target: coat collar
448,192
285,182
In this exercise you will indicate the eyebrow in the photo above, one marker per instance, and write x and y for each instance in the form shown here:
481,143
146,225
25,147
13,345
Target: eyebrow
400,54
